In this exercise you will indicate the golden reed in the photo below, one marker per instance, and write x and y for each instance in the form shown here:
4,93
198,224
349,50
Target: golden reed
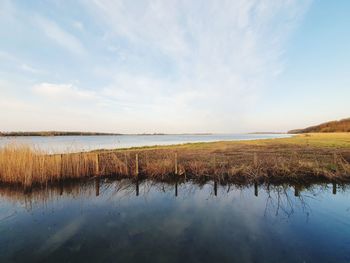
21,164
26,165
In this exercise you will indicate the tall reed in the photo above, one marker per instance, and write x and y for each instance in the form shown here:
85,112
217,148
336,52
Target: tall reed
25,165
22,164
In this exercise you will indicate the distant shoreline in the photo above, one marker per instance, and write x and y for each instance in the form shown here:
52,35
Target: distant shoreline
56,134
53,133
62,133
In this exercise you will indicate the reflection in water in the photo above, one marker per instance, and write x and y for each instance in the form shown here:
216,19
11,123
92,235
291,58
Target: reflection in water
279,194
137,221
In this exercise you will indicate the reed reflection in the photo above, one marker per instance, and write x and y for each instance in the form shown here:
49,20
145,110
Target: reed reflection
280,199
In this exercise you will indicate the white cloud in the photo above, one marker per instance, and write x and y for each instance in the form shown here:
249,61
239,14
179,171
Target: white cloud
63,91
158,66
6,11
31,69
12,104
218,55
78,25
61,37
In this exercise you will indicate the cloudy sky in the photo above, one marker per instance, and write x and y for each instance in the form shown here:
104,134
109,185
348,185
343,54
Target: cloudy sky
173,66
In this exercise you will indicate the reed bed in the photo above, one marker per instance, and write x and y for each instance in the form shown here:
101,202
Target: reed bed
25,165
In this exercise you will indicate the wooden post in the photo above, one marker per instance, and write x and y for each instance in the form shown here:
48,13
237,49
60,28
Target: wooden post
215,188
81,163
97,186
61,188
176,172
255,160
97,169
214,164
126,165
61,172
296,190
137,187
175,189
334,188
137,164
256,189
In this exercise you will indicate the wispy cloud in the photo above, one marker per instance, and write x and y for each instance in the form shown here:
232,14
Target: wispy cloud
60,36
63,91
217,55
78,25
150,65
31,69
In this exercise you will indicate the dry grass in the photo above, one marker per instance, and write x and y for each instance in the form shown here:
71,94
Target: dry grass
266,160
20,164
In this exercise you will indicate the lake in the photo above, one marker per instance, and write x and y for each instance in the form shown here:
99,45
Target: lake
57,144
124,221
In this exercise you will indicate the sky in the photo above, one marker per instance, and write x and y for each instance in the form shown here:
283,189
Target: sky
173,66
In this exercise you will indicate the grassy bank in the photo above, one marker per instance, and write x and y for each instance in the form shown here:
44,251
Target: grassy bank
302,158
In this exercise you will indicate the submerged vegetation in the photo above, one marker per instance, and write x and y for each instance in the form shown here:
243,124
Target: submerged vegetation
303,158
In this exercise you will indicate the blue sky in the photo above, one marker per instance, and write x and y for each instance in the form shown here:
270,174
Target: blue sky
173,66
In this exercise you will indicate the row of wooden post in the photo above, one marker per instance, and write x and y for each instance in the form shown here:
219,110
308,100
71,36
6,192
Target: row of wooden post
176,171
176,166
97,165
256,192
137,164
255,160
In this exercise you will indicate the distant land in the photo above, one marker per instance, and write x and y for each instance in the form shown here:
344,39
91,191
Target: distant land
331,126
266,133
77,133
55,133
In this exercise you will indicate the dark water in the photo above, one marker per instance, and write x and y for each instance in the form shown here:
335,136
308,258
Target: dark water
119,221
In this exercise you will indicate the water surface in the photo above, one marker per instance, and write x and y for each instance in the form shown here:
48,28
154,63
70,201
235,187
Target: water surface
88,143
124,221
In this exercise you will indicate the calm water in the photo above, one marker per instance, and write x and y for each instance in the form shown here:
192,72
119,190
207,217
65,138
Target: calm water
86,143
120,221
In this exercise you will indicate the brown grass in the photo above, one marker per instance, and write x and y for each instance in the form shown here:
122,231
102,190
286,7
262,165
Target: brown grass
20,164
225,162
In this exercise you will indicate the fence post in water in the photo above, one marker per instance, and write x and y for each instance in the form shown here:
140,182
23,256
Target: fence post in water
61,187
126,165
176,189
215,188
255,160
214,164
137,187
296,190
176,164
97,186
334,188
81,164
256,189
137,164
97,171
61,172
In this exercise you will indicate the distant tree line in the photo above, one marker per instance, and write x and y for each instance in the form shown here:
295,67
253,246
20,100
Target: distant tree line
332,126
54,133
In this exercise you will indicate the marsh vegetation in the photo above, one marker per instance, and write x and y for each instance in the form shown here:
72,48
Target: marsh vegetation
310,157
